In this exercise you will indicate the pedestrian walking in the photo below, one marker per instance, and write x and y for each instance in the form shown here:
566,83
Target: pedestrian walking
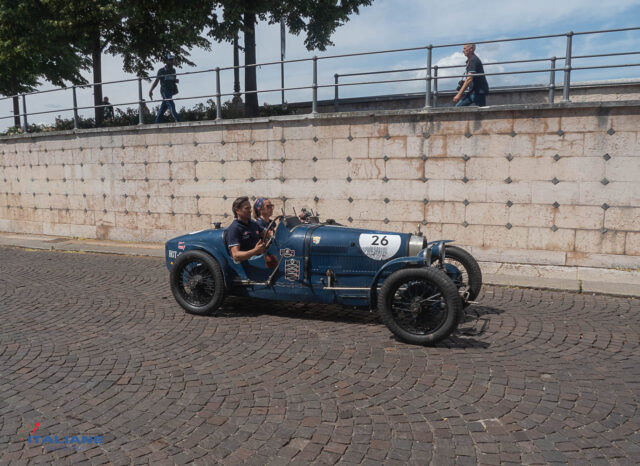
107,109
475,87
168,88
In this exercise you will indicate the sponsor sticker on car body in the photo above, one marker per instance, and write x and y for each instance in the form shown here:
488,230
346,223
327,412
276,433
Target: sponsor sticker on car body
292,269
286,252
379,246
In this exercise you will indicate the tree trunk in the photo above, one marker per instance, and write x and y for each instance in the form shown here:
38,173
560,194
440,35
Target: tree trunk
16,111
96,59
16,102
250,84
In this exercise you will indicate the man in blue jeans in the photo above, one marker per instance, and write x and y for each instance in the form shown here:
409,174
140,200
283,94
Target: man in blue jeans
168,88
475,85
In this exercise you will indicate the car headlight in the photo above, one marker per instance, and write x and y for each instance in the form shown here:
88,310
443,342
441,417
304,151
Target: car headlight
416,244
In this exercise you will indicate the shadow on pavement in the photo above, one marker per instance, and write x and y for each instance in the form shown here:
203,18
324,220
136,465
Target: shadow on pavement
248,307
476,320
474,325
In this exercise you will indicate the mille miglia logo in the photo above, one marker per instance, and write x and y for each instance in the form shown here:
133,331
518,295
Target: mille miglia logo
29,427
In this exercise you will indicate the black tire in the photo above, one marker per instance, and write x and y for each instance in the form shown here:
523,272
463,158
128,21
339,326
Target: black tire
420,305
197,282
470,283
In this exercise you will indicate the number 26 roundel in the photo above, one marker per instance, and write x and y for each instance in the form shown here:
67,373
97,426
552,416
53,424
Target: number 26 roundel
379,246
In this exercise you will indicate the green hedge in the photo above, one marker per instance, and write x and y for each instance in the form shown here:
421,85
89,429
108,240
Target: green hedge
129,117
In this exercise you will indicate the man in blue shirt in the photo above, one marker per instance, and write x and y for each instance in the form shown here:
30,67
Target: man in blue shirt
168,88
475,85
244,236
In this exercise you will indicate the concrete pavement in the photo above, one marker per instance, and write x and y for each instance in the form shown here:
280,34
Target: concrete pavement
93,347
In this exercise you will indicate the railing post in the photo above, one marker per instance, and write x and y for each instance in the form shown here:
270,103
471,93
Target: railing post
218,97
335,96
25,124
282,80
435,85
567,69
314,101
552,80
140,107
75,108
427,96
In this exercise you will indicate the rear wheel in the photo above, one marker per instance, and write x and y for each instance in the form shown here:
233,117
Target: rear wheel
197,282
420,306
469,279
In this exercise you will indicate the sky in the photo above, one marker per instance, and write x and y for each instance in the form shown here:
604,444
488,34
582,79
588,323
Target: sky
396,24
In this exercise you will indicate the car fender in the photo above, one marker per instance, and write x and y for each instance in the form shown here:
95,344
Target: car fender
437,248
398,263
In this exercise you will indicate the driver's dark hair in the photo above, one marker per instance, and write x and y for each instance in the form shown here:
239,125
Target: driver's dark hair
237,203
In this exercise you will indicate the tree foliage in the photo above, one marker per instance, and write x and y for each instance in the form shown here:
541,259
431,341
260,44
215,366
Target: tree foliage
34,45
58,39
318,19
141,32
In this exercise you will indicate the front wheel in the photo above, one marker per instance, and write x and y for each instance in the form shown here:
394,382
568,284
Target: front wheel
197,282
420,305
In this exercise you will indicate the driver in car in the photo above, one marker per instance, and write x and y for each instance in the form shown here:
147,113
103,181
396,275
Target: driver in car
244,236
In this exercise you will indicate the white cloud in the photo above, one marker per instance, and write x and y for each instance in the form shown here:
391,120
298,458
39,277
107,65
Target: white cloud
455,59
411,22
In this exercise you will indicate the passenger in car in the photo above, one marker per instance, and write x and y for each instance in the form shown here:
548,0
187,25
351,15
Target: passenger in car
244,236
262,211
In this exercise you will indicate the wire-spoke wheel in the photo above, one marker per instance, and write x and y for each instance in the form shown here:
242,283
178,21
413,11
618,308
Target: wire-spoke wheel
465,272
197,282
420,305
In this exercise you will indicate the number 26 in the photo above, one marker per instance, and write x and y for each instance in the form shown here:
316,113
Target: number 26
382,241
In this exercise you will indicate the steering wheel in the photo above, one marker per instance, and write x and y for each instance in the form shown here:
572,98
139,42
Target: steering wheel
273,237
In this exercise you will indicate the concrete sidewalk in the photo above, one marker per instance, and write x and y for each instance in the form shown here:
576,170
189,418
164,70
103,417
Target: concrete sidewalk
61,243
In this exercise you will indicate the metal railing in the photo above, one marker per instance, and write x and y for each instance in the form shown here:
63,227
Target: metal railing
435,77
430,79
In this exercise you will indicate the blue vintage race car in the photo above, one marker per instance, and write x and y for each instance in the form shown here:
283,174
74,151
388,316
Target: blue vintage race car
418,287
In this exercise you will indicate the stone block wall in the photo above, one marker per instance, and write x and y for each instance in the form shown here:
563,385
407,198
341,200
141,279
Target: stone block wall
526,185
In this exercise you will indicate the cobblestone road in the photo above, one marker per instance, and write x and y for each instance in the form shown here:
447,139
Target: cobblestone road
95,345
